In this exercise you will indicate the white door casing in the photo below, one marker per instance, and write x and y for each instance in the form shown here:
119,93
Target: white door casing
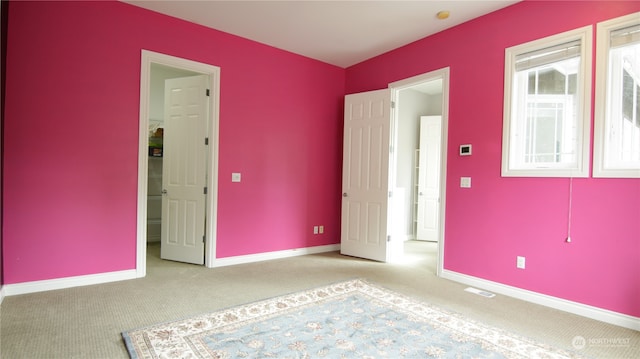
184,169
365,179
147,59
429,178
442,75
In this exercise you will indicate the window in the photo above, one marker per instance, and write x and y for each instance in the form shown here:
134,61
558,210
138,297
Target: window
617,122
546,107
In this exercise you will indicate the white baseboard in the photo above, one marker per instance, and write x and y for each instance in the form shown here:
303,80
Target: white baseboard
68,282
603,315
258,257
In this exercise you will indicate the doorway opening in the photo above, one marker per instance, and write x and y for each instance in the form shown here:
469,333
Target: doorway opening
155,69
418,165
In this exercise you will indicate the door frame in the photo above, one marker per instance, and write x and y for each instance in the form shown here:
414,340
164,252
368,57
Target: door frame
213,72
396,87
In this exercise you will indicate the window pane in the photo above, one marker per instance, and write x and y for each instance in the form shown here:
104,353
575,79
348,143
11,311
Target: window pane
637,106
573,84
623,143
551,81
550,122
627,96
544,133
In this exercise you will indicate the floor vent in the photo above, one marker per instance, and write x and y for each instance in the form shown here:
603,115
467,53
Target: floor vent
480,292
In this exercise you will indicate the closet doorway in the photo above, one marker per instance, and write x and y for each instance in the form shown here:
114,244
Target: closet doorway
156,70
418,169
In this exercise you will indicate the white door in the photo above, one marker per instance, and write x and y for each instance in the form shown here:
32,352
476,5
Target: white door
184,169
365,178
429,178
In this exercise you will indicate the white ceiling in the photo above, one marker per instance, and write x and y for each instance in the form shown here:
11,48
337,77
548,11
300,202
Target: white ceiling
342,33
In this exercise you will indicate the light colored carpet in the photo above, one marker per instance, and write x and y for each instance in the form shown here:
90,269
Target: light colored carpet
87,322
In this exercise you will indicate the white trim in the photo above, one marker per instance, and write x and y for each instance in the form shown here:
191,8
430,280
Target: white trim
68,282
584,310
584,34
418,79
2,294
603,36
444,75
259,257
147,58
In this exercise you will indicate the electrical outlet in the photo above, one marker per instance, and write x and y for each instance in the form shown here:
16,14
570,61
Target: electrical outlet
315,229
520,262
321,229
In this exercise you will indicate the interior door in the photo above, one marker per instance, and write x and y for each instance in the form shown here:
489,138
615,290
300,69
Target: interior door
184,169
429,178
365,190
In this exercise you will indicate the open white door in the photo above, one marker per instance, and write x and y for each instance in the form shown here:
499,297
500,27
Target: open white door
184,169
429,178
365,178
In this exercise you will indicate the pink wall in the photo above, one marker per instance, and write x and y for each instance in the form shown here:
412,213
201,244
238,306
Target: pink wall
498,219
3,44
71,130
71,138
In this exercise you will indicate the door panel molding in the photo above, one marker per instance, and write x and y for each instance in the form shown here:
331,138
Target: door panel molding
184,169
365,179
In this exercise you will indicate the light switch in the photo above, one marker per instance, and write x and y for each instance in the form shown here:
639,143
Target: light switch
465,182
236,177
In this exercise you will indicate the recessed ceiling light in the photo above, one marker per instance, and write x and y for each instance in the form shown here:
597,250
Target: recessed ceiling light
442,15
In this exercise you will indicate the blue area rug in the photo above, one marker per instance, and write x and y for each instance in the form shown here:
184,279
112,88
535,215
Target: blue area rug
352,319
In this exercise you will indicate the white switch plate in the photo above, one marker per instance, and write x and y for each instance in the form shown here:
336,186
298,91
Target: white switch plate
321,229
520,262
465,182
465,150
315,229
236,177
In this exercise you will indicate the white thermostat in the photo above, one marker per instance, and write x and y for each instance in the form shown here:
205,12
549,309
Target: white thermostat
465,150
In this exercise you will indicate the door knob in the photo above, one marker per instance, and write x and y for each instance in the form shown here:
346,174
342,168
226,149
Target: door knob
164,191
420,193
345,194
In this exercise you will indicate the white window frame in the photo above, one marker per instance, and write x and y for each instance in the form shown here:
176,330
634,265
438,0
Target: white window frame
583,94
601,166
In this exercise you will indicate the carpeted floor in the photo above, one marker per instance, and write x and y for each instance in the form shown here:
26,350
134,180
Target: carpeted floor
87,322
